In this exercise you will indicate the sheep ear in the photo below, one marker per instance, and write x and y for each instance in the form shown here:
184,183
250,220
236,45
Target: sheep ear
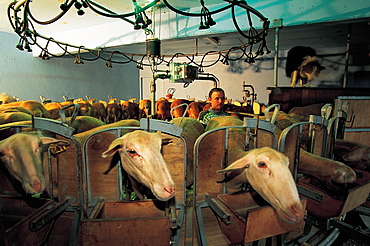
226,170
166,141
113,148
49,140
116,144
240,164
2,153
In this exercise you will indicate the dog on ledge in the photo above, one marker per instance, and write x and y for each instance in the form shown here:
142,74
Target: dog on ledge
302,65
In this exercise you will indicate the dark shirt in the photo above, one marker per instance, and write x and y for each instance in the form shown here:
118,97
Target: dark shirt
207,115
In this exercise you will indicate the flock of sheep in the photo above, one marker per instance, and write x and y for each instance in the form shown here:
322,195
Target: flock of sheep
113,109
264,168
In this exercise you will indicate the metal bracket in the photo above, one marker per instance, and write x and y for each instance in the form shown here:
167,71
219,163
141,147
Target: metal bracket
53,126
173,214
318,120
49,215
161,125
262,124
218,209
276,108
310,193
326,110
351,230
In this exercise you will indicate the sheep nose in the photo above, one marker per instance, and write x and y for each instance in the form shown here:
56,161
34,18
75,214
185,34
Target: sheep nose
170,190
297,211
37,185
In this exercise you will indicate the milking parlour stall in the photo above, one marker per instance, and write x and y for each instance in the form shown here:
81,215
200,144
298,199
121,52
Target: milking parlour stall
336,194
335,208
113,218
30,207
228,198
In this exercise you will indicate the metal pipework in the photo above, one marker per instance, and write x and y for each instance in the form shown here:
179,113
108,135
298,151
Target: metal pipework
248,94
153,90
278,23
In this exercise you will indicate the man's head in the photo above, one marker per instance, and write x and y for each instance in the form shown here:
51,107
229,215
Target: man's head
217,98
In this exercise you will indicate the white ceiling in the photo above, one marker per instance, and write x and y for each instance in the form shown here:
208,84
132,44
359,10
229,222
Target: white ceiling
320,35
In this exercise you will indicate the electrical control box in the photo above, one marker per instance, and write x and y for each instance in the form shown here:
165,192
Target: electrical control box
183,73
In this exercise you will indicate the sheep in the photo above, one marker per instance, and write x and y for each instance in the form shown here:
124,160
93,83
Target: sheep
228,107
327,171
195,108
163,108
238,109
237,135
192,129
14,109
179,111
303,113
144,108
114,112
141,158
265,169
84,123
14,117
35,107
68,111
53,108
6,98
130,110
348,152
353,154
330,170
99,111
21,155
85,107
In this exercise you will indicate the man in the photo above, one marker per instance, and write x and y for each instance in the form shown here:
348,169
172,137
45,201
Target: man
216,97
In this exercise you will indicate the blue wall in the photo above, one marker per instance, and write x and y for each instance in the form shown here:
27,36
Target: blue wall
29,77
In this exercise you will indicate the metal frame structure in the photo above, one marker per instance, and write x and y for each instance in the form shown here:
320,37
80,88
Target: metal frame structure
249,124
74,204
146,124
332,128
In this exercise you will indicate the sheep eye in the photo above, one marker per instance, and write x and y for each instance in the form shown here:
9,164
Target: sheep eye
262,164
132,152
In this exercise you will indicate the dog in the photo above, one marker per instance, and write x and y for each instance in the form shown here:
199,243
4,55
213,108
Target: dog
302,65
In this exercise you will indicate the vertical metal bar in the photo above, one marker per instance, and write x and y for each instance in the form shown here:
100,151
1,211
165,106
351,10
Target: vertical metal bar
73,239
202,233
226,157
153,90
50,173
276,56
347,55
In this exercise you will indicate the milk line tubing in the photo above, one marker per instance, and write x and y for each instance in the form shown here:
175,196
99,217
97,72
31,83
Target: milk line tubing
20,17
